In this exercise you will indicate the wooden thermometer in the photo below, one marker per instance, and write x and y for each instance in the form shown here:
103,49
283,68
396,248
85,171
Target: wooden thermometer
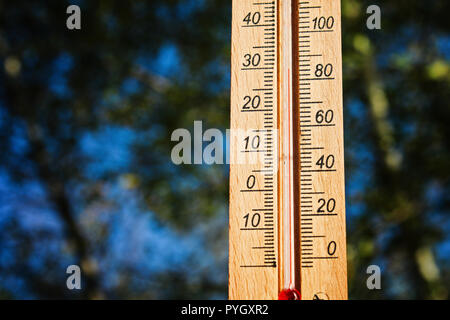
287,196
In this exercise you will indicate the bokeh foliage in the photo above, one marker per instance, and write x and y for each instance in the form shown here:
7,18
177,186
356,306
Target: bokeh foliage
148,67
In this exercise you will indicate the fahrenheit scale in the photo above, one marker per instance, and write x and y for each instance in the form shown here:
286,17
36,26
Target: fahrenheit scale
287,194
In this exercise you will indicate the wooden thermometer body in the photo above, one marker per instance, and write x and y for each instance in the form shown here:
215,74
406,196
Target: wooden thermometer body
287,195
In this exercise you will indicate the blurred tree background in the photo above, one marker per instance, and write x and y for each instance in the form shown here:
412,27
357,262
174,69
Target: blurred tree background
85,172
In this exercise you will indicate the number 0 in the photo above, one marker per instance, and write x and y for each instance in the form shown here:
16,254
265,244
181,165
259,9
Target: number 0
331,248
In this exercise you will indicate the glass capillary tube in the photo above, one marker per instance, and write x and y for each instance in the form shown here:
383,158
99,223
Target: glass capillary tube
287,134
